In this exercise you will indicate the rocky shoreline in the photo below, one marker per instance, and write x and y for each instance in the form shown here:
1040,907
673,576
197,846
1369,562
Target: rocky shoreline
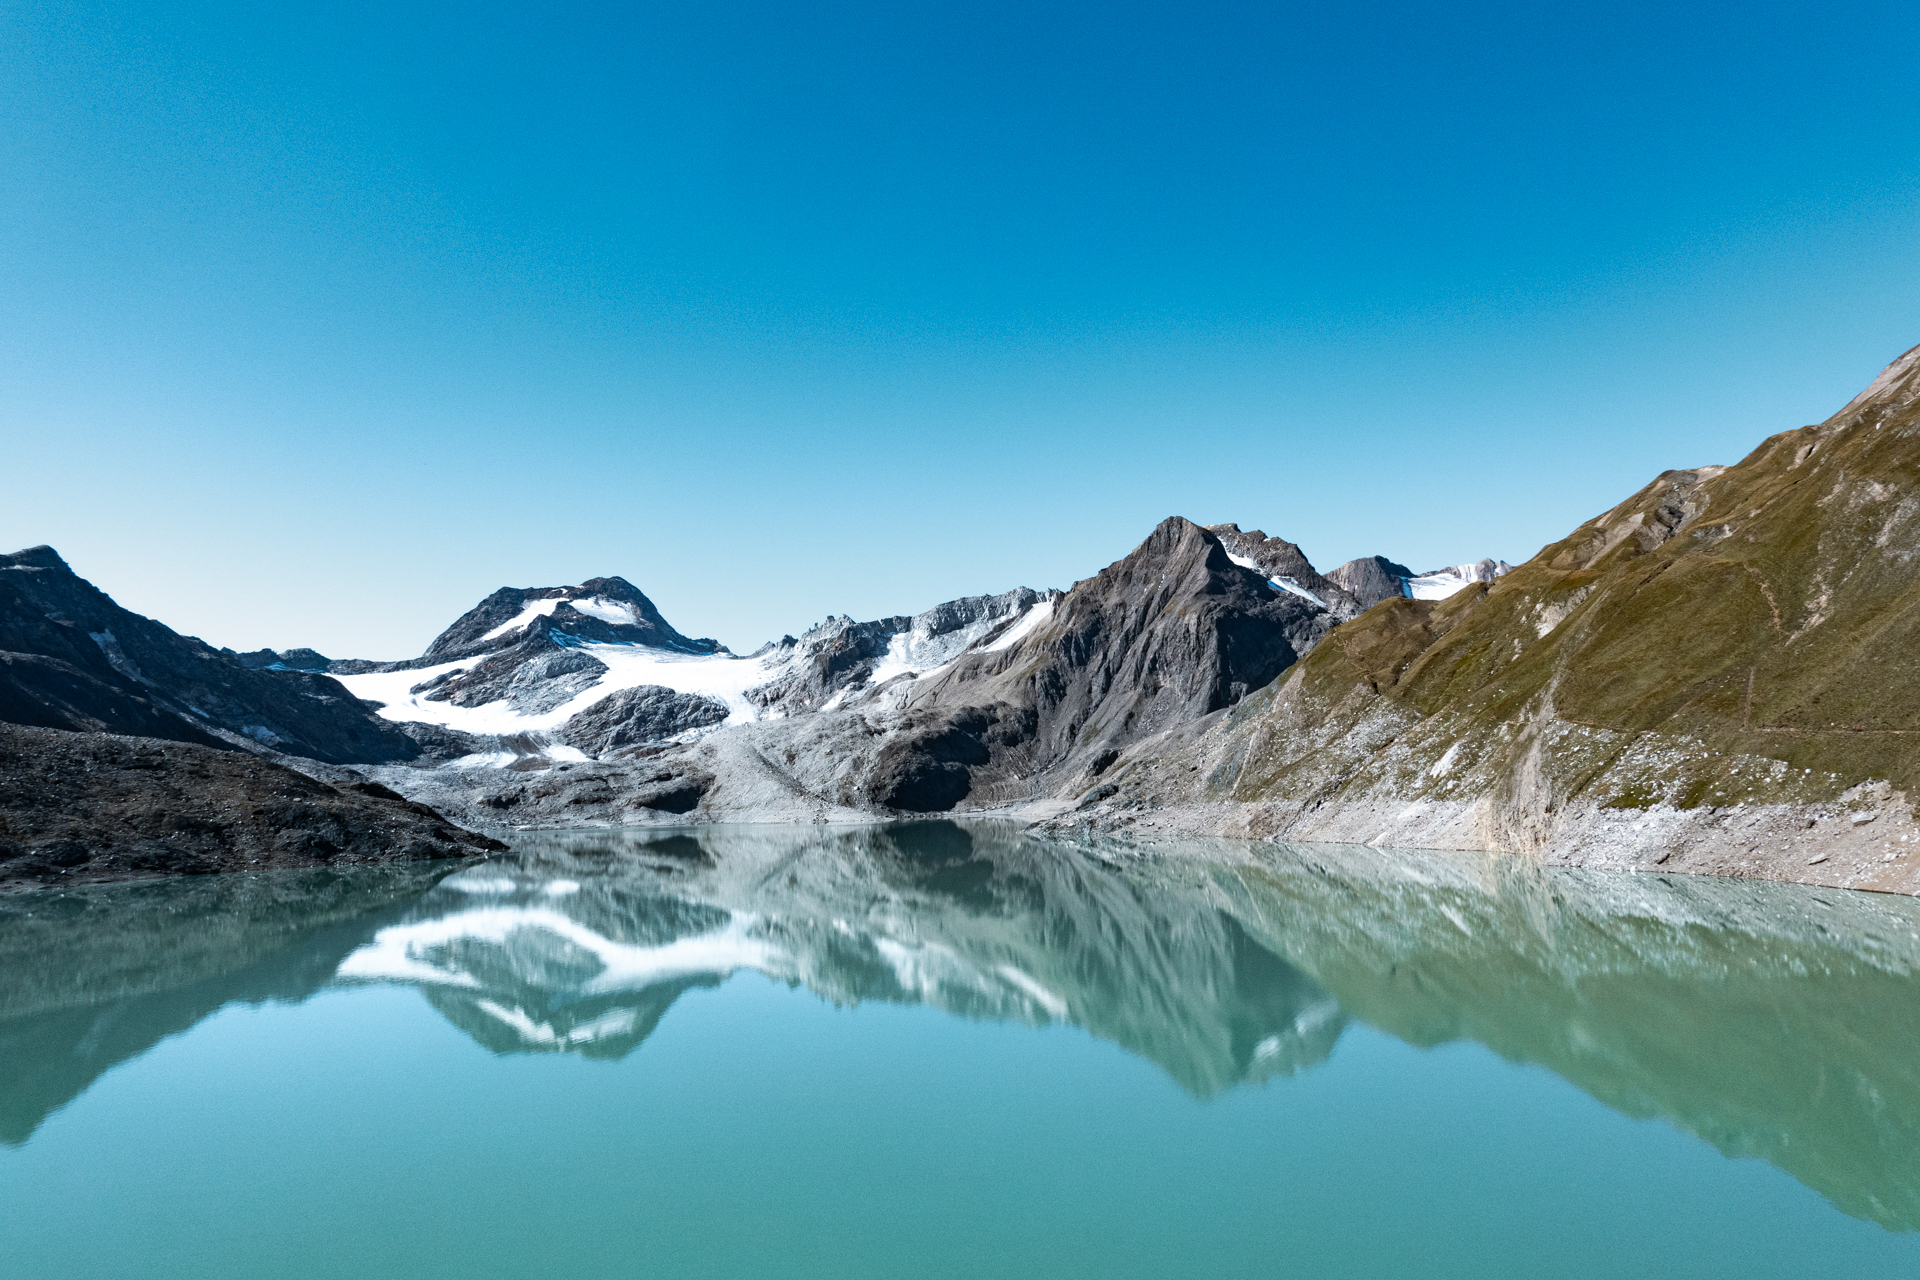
83,808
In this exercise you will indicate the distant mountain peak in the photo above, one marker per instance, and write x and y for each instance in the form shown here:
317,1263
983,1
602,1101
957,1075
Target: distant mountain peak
599,610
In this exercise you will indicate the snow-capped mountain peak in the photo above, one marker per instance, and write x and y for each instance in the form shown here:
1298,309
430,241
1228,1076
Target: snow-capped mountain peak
599,610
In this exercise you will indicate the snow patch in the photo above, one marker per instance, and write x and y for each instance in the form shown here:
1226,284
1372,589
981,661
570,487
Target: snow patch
720,676
1020,630
1442,583
1278,584
617,612
520,621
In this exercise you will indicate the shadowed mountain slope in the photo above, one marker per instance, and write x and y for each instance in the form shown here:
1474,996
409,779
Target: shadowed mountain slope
75,660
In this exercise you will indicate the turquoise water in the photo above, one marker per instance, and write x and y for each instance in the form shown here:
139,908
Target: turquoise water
932,1051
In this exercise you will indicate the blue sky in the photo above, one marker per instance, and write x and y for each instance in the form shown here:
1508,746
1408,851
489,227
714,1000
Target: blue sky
320,322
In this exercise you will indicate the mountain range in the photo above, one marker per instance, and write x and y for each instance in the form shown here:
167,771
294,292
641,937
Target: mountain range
1717,675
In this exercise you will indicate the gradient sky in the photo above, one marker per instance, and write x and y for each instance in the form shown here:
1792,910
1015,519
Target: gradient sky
319,322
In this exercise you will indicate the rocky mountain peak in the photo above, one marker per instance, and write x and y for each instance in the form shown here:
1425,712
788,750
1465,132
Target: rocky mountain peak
1286,567
1169,633
40,557
600,610
1371,579
1896,389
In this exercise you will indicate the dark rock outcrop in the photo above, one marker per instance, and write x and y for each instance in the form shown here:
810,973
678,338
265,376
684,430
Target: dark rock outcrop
290,660
83,807
70,658
636,717
841,654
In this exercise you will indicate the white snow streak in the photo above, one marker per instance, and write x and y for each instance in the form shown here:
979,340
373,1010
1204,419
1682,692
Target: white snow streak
615,611
1442,583
1023,628
720,676
1278,584
519,621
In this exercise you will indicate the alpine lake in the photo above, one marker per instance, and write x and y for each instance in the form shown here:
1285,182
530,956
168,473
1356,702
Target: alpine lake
935,1050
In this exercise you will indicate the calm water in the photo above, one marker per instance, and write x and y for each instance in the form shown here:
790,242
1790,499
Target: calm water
932,1051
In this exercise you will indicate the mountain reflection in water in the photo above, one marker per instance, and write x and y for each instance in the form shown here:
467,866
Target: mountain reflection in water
584,942
1773,1021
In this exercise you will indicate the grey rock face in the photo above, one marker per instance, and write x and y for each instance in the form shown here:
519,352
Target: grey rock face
838,654
637,717
1037,705
842,655
1371,579
1284,562
599,609
537,792
1168,635
535,676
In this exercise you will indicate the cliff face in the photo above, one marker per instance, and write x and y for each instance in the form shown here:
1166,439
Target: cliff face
1170,633
1720,674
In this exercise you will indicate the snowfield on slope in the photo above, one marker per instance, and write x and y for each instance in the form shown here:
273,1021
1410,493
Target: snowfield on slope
722,676
1441,583
593,606
629,666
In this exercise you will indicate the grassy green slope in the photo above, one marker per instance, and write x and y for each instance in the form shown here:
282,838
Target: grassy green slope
1762,620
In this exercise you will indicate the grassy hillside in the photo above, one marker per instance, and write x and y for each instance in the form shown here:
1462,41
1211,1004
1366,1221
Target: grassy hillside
1728,636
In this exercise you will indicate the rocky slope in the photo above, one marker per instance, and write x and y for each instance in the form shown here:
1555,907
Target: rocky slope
532,696
128,751
1721,674
83,807
70,658
1015,697
1718,675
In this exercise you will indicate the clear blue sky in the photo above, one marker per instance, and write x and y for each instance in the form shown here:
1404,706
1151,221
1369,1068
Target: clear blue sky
318,322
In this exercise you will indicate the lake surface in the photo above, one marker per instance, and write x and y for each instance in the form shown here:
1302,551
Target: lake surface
929,1051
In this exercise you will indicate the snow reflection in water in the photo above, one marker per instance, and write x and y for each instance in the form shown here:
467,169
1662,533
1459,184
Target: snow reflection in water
978,924
1778,1022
